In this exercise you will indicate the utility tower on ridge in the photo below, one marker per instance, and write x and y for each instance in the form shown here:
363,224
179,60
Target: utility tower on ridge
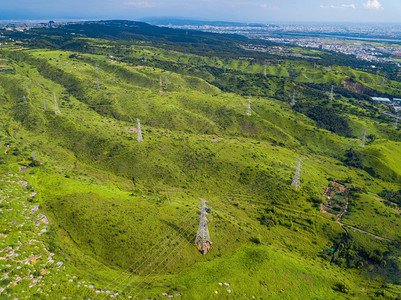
225,69
265,71
248,111
166,81
97,84
97,71
145,58
33,156
331,92
293,98
27,88
161,86
396,121
139,138
24,99
363,139
44,105
202,240
314,67
296,183
56,109
383,80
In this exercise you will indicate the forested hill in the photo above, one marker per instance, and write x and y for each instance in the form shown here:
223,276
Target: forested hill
192,41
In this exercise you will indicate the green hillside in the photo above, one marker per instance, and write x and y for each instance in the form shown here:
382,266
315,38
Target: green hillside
123,215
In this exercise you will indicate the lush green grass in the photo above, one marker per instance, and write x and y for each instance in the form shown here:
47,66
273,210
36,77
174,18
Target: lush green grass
110,198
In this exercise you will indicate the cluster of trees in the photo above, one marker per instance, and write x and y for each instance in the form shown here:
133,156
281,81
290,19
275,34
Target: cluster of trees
391,196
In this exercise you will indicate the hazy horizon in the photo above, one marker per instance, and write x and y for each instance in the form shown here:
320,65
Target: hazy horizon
256,11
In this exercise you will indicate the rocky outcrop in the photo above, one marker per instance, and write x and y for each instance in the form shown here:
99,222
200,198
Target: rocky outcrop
357,87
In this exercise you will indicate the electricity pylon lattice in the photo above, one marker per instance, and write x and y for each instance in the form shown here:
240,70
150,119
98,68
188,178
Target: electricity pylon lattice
363,139
145,57
33,156
293,98
139,138
314,67
97,84
396,121
331,92
248,110
265,71
161,86
225,69
56,109
202,240
97,71
166,80
383,80
296,181
27,88
24,99
44,105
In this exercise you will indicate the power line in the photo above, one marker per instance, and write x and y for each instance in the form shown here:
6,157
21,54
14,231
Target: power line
161,270
160,254
185,218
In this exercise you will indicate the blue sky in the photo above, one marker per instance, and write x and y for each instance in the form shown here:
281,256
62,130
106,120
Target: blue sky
264,11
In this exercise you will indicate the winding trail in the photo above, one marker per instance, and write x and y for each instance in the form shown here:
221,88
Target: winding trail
350,226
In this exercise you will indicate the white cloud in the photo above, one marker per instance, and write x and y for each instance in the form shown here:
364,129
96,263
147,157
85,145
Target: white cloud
348,6
270,7
373,4
139,4
342,6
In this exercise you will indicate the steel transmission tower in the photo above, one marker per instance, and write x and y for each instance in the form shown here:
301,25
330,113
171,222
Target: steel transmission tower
44,105
248,111
293,99
296,181
383,80
33,156
202,240
24,99
97,71
161,86
97,84
139,138
331,92
265,71
56,109
225,69
166,81
363,139
396,121
27,88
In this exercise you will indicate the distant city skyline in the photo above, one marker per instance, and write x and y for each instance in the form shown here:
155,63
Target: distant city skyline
261,11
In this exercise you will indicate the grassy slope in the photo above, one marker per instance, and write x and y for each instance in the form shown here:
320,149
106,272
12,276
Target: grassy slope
110,218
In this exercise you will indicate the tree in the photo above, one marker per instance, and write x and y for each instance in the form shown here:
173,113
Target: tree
353,159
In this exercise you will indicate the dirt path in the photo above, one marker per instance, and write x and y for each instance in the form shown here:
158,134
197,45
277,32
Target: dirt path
322,209
364,231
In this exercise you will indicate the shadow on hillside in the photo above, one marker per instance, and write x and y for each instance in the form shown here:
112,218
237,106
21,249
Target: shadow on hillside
189,233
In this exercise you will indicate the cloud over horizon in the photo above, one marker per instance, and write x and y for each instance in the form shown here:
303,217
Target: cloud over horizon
342,6
373,4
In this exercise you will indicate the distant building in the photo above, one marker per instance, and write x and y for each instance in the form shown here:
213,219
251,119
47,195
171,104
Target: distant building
381,100
397,100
